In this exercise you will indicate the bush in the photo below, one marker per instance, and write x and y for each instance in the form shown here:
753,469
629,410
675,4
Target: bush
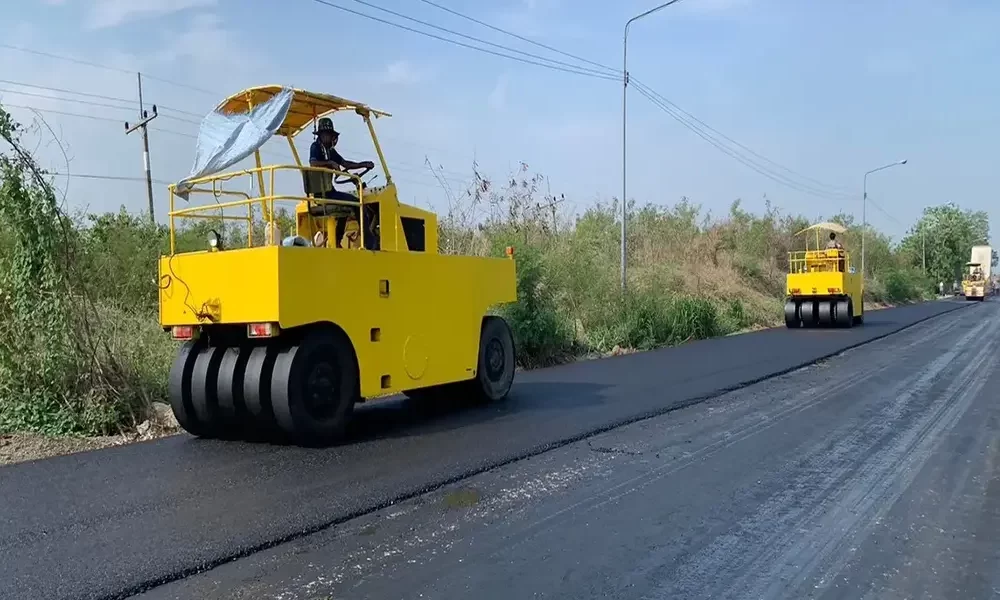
541,334
904,285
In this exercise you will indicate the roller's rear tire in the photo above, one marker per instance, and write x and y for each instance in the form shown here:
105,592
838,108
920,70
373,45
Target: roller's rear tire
807,312
230,401
257,377
842,313
179,387
314,387
825,309
791,315
204,385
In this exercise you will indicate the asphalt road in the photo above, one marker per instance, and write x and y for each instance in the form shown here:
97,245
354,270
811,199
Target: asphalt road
150,517
875,474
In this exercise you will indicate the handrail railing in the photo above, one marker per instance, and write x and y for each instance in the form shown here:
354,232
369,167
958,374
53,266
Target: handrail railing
266,201
813,261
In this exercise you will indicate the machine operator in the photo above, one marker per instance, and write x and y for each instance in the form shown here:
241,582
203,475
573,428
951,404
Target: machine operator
323,154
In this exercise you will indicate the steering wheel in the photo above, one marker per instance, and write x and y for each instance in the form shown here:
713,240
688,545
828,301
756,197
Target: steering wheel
363,171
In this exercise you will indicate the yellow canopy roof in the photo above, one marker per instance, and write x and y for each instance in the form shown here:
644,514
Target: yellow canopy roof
826,226
306,106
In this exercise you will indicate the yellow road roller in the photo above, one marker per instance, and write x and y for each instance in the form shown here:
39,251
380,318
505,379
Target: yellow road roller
285,331
823,288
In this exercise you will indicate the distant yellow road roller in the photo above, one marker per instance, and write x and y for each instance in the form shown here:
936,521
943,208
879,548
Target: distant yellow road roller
284,334
823,288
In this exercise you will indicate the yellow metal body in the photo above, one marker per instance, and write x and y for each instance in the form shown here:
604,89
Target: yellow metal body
974,284
413,316
824,274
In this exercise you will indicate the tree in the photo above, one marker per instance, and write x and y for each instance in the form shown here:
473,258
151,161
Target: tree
946,234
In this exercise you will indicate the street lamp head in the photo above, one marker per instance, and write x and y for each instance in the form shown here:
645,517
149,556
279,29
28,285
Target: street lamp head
902,162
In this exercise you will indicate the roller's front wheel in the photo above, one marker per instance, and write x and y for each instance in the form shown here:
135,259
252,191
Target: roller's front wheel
497,359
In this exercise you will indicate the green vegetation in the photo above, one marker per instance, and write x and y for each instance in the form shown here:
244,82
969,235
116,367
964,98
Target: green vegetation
81,351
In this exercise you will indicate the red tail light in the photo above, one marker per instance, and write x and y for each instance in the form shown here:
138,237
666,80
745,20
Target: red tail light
182,332
262,330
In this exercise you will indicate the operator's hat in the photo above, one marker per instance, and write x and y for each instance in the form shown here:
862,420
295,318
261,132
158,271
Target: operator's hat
325,124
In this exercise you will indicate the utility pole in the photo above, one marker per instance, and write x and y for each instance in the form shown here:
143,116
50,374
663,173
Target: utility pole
923,242
552,204
146,118
625,81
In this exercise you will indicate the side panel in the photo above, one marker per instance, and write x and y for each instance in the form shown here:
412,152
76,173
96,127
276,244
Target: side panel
854,288
235,286
425,331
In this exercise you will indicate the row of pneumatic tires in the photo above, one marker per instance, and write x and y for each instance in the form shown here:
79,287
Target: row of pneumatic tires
301,387
826,312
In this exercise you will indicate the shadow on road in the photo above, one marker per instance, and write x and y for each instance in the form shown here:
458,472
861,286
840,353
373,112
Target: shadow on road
401,417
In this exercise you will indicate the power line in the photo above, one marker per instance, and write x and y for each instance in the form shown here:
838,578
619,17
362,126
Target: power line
62,112
89,103
90,95
815,186
520,37
102,66
456,177
475,39
105,177
781,179
576,70
832,188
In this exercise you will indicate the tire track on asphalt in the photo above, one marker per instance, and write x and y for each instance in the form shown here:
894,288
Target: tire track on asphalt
808,519
726,440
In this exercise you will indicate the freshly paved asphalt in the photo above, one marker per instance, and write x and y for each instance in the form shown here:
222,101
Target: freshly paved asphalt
875,474
117,522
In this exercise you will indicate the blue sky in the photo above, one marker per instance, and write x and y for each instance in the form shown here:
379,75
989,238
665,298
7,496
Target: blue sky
828,90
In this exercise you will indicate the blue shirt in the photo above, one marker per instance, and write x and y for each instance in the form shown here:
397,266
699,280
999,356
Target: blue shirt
319,152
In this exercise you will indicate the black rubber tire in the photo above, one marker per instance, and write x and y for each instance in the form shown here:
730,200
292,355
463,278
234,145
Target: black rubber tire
807,313
825,316
179,387
497,361
314,387
843,313
792,315
231,404
204,384
257,377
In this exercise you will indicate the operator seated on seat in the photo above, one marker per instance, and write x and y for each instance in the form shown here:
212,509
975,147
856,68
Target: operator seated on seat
834,244
322,154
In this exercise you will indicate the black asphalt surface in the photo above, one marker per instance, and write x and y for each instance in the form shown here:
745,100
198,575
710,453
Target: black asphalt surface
875,474
117,522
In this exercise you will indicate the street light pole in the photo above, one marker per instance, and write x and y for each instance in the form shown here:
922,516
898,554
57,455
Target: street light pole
624,117
864,210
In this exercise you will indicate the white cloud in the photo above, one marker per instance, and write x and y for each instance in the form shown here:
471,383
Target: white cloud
112,13
403,72
498,96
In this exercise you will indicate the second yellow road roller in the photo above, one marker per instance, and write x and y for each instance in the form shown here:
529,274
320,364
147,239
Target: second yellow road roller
823,288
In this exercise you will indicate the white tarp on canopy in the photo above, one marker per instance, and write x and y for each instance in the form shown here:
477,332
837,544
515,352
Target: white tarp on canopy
224,140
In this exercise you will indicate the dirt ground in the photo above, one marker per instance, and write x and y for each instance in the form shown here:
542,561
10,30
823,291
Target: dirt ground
22,447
